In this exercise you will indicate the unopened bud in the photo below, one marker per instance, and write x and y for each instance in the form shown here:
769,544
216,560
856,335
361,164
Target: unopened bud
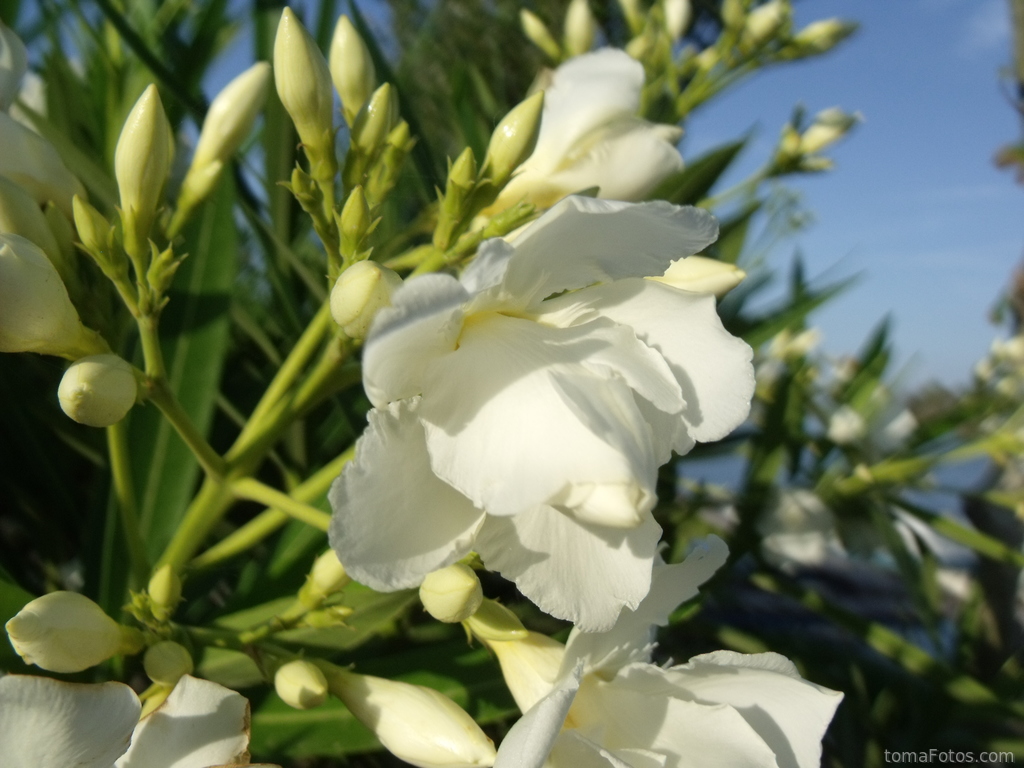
846,426
514,139
304,84
829,126
20,215
68,632
352,70
36,314
93,227
451,594
359,293
375,120
700,274
764,21
580,28
416,724
31,161
13,63
326,577
537,32
677,17
301,684
142,162
98,390
463,170
164,590
355,220
493,621
530,666
634,14
822,36
167,662
733,13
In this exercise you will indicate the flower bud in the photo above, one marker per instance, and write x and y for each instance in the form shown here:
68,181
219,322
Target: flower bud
414,723
537,32
829,126
326,577
514,139
530,666
352,69
493,621
228,121
822,36
30,161
93,227
733,13
360,291
304,84
700,274
68,632
142,162
375,120
677,17
20,215
167,662
13,63
98,390
36,314
580,28
846,426
301,684
764,21
451,594
164,590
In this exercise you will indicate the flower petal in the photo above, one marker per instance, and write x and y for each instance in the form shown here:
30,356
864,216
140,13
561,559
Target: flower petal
789,713
394,520
529,741
423,322
572,750
52,723
630,639
582,241
712,367
515,418
201,724
584,573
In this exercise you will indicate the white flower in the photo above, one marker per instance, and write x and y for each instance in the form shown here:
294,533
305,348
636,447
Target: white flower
31,161
13,63
846,426
611,707
590,136
799,530
52,723
549,408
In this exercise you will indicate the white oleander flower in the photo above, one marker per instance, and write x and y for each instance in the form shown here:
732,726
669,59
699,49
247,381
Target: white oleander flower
590,136
612,707
30,161
52,723
523,411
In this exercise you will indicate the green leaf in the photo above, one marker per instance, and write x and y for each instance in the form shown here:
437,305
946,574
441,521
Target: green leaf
692,184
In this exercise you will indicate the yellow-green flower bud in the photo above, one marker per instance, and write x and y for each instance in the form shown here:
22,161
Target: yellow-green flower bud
375,120
359,293
98,390
31,161
734,13
451,594
167,662
580,28
537,32
764,21
355,220
529,665
514,139
677,17
463,170
829,126
142,162
228,121
326,577
68,632
20,215
416,724
301,684
164,590
352,69
93,227
493,621
304,84
700,274
36,314
13,63
822,36
634,15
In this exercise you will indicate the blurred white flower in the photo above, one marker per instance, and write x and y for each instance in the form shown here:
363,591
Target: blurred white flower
30,161
526,409
612,707
52,723
846,426
13,64
799,530
590,136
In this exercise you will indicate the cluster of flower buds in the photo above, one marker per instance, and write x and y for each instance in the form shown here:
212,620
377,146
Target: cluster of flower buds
799,150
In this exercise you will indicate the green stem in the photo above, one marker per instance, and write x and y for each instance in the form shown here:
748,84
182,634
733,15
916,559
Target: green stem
151,351
253,490
212,501
161,395
124,492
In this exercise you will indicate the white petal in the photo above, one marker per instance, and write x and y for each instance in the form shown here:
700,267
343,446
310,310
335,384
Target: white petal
47,722
200,724
394,520
582,241
488,267
712,366
423,323
789,713
515,418
630,639
584,573
529,741
572,750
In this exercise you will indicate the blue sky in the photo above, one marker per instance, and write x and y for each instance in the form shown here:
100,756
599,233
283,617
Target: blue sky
915,204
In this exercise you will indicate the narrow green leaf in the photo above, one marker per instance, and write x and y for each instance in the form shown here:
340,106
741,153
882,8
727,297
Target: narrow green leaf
692,184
